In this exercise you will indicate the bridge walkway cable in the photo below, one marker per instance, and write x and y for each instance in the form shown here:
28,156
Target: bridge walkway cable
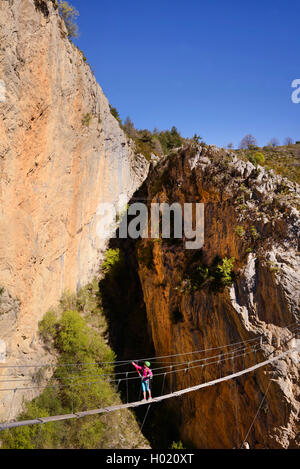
154,359
221,357
172,369
105,410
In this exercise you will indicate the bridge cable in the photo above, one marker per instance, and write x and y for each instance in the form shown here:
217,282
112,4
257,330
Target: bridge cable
139,403
256,415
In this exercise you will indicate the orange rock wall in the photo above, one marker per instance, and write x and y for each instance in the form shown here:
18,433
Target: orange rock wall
55,170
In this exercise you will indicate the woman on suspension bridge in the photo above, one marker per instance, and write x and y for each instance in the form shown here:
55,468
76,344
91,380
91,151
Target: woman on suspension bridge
146,374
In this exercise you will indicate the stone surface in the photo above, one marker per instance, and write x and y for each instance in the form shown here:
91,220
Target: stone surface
62,154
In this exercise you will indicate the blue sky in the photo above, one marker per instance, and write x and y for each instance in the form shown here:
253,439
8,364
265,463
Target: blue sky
218,68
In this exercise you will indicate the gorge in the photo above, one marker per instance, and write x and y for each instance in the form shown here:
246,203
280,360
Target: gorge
62,155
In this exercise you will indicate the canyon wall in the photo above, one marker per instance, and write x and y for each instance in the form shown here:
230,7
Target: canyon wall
62,154
251,215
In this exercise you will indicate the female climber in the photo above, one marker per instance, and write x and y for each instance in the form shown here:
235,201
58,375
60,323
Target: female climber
146,374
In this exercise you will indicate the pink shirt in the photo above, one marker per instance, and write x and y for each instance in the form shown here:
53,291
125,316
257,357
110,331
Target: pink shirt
146,371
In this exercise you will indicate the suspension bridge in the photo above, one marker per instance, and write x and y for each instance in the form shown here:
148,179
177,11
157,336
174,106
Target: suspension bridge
236,350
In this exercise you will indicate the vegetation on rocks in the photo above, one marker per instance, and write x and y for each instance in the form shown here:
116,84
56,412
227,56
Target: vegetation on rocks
224,271
76,332
284,160
156,142
177,445
239,230
115,113
112,260
217,276
256,158
69,15
87,119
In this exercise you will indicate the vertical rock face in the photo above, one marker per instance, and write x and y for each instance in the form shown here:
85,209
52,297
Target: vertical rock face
62,154
249,217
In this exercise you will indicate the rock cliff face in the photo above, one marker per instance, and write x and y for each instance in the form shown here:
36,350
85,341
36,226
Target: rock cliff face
250,215
62,154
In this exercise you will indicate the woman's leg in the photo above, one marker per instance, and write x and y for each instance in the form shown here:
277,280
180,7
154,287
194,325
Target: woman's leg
144,389
148,387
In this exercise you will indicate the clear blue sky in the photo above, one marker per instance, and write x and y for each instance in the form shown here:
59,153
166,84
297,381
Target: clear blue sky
218,68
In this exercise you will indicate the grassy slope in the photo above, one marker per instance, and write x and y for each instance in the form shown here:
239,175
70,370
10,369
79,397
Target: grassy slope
285,160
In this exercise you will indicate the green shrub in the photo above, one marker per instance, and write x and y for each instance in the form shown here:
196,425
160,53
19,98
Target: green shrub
69,15
143,148
68,301
253,232
196,139
115,113
87,119
224,271
83,56
201,274
47,326
111,260
157,142
177,445
256,158
259,158
218,275
73,337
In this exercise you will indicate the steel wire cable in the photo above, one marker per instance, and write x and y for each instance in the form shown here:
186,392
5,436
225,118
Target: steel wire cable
205,360
126,362
167,365
43,420
59,386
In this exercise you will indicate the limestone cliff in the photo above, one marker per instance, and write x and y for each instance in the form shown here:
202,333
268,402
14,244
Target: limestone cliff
62,154
251,215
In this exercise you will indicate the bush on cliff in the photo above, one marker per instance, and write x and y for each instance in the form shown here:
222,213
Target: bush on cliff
115,113
224,274
256,158
218,275
69,15
112,259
